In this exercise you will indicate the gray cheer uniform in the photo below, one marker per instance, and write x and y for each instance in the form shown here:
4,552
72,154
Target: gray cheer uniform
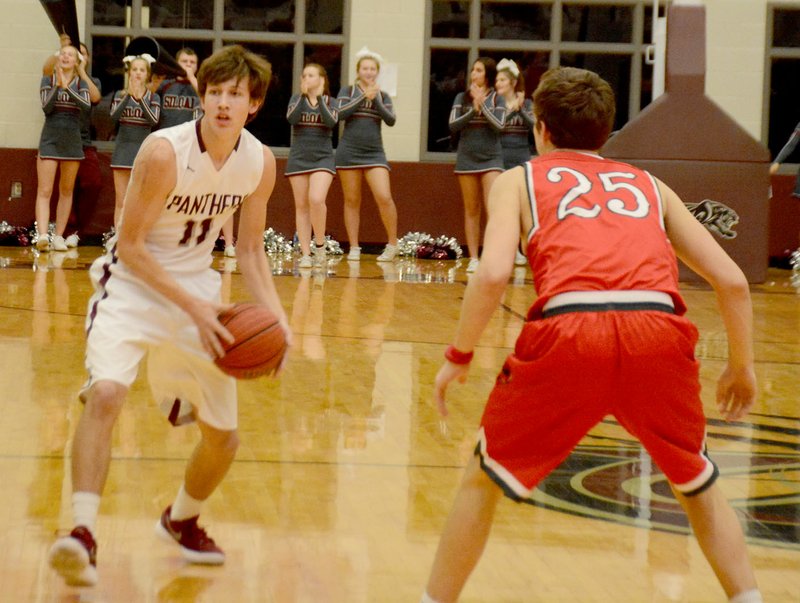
479,149
135,121
312,132
61,133
361,144
514,137
787,150
179,103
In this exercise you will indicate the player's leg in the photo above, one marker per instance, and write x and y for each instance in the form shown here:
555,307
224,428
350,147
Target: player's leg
351,190
720,536
319,184
208,465
302,217
471,193
45,180
378,180
91,446
465,534
121,179
74,556
659,357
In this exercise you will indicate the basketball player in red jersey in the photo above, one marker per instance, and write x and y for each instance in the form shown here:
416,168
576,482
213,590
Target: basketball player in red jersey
155,293
606,334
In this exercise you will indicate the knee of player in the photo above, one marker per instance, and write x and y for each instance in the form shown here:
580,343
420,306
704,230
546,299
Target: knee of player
225,442
106,399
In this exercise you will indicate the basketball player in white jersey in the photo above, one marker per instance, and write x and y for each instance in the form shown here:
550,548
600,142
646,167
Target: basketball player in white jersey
155,291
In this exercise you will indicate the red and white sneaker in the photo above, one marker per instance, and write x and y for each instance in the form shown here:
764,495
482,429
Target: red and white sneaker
196,546
75,557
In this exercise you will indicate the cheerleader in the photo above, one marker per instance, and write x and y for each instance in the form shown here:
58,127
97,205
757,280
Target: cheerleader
135,110
478,115
363,106
64,94
311,167
514,138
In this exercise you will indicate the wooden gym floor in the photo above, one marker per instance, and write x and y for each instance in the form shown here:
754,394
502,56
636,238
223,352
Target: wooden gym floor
345,473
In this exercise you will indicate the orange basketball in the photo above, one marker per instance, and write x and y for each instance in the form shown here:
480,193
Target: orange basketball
260,343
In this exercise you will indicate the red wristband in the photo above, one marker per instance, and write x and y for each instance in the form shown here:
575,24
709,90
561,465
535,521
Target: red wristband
457,356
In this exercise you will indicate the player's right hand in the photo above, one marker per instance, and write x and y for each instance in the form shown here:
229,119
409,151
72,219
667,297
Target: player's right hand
212,332
446,374
736,392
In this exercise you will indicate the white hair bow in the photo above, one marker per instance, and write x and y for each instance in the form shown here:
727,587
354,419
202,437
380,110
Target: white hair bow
508,65
366,53
144,56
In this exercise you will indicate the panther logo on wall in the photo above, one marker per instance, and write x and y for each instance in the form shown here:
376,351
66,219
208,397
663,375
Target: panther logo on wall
716,216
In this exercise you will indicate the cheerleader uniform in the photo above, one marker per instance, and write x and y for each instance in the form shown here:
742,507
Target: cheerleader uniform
514,137
479,148
312,133
361,144
61,134
135,120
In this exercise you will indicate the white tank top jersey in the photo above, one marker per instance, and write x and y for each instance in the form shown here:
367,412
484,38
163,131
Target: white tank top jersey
203,199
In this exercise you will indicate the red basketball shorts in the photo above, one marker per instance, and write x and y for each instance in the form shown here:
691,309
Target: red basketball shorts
569,371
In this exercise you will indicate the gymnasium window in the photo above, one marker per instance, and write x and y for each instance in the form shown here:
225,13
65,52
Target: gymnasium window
607,36
784,79
288,33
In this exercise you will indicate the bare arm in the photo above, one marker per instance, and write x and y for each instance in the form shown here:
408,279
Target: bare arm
250,254
153,177
736,389
487,285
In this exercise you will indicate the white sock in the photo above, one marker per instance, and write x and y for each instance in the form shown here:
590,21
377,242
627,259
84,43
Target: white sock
84,509
748,596
185,506
426,598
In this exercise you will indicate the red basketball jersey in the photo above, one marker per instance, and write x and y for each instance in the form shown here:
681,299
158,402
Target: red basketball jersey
598,225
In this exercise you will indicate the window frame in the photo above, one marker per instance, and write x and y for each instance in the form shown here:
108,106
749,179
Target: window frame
219,36
776,52
636,49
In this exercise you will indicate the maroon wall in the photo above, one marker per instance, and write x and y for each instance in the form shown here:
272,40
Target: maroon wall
427,196
784,217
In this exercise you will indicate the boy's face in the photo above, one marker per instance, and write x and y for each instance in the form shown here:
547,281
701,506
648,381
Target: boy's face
228,105
188,62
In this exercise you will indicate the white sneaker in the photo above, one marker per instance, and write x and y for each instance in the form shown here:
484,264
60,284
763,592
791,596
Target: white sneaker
230,251
473,264
389,252
355,254
72,240
59,244
520,260
42,242
75,557
318,251
305,262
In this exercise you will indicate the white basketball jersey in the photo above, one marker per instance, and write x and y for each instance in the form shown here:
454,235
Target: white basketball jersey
203,199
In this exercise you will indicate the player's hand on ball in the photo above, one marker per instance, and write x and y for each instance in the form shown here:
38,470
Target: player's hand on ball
446,374
205,315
